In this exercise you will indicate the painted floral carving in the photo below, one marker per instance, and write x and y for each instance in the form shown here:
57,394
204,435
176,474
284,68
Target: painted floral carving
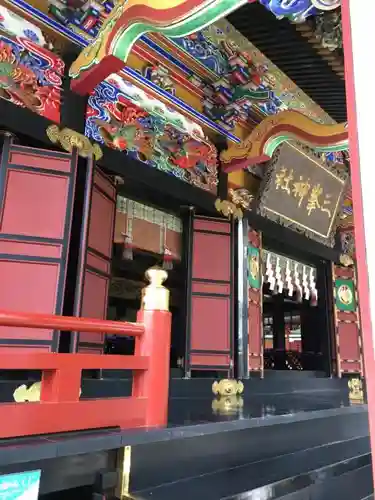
30,76
160,76
114,120
17,26
328,29
230,98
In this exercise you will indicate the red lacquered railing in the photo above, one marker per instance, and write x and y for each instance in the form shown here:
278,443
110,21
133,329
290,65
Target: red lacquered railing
60,409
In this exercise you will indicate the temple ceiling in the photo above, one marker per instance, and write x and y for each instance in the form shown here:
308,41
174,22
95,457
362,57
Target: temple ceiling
198,75
309,52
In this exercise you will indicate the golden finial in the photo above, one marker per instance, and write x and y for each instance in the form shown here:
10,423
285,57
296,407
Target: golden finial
155,296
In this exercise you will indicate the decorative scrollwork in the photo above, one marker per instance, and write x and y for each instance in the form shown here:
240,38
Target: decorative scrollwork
70,139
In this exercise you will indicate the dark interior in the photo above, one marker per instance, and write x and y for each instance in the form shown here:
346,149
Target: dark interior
123,304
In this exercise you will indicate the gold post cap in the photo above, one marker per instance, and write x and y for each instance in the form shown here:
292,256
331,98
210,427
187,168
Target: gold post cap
155,296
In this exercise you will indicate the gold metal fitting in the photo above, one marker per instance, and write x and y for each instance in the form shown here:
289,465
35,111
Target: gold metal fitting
226,387
155,296
228,209
356,391
227,405
69,139
24,394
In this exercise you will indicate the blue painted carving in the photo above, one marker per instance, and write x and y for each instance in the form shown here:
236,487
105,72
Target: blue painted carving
298,10
295,10
204,51
159,75
113,120
230,98
82,14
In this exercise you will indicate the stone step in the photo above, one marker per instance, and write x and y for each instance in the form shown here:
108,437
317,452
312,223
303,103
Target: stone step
306,475
208,448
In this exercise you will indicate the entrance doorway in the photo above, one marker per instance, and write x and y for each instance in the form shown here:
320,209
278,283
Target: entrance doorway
144,237
295,333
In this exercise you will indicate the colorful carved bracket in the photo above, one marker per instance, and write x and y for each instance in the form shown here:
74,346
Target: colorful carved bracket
132,18
260,145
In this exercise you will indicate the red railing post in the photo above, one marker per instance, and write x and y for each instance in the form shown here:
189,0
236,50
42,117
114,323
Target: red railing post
155,343
61,385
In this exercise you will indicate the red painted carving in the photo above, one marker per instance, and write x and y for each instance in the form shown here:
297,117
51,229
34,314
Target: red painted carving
31,76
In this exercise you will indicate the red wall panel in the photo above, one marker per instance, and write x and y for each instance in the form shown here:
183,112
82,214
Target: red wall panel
210,323
210,337
348,332
36,201
98,228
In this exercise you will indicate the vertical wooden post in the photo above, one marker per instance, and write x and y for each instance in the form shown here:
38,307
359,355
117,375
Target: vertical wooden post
153,384
357,30
61,385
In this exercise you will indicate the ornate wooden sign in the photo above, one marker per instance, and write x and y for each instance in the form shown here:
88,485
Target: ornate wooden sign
301,192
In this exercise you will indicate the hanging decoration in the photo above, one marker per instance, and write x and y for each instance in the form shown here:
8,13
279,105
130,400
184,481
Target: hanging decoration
282,273
127,253
141,227
168,256
167,260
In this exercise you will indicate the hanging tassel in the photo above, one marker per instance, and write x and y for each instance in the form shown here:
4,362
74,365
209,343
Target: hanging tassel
167,260
127,253
314,299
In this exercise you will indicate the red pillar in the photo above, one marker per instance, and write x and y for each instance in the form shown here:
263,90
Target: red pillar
153,383
155,343
357,24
